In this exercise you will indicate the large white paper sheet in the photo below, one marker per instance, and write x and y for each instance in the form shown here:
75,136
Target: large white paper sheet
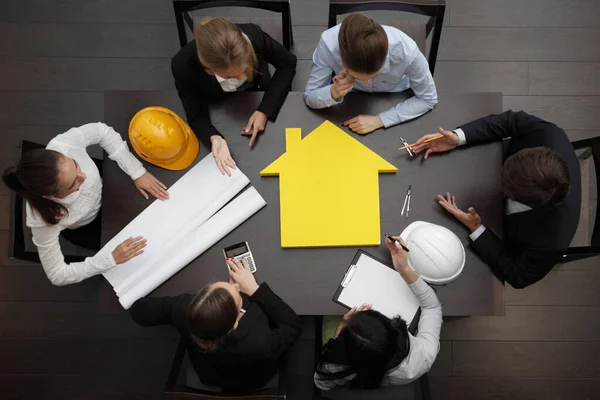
382,287
193,245
193,199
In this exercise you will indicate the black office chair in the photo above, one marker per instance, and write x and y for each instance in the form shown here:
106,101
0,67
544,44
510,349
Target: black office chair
586,242
183,382
20,246
418,31
281,32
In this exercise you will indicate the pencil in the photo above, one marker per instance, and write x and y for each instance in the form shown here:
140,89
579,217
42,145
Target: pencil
426,141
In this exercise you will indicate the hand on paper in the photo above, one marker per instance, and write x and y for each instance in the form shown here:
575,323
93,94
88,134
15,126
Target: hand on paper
220,152
130,248
447,143
342,84
364,124
399,256
147,183
470,219
240,273
346,318
256,124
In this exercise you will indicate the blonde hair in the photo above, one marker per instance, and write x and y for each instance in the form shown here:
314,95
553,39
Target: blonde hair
221,44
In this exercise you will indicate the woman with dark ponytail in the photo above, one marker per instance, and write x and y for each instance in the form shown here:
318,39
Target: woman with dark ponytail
62,189
369,350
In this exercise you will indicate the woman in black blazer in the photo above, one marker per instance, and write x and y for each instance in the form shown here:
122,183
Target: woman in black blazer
233,341
225,58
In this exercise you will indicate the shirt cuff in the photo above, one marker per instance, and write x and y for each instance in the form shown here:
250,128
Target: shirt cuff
104,262
475,235
324,97
390,117
461,136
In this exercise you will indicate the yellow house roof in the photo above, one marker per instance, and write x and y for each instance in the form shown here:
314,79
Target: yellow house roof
325,145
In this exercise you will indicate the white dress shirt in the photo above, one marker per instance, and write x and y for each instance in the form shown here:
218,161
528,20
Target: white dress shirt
512,206
424,347
405,67
83,205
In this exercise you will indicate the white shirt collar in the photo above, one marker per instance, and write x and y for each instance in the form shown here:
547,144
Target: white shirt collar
514,207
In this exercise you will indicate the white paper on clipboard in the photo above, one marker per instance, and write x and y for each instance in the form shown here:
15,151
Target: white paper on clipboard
377,284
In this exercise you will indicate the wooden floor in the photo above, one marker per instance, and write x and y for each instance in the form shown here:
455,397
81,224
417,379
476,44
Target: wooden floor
57,58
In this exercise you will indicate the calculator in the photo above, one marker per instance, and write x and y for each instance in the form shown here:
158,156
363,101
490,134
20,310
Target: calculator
240,251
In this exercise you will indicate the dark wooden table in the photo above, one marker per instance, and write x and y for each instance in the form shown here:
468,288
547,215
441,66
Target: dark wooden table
307,278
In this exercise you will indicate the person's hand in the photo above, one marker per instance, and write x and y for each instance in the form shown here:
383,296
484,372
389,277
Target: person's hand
364,124
399,256
255,125
342,84
448,142
220,152
470,219
148,183
346,318
240,273
130,248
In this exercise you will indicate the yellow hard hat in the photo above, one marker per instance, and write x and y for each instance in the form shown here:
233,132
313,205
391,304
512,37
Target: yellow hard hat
162,138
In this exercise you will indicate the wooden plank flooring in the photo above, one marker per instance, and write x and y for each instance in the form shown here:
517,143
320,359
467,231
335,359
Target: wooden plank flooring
56,60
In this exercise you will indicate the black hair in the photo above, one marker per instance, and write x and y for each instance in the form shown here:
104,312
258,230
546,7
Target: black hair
368,346
36,176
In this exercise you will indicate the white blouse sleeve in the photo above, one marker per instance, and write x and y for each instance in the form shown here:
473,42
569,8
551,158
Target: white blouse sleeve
430,323
105,136
60,273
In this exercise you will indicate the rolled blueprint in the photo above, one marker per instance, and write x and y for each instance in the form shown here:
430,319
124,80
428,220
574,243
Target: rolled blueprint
194,244
193,199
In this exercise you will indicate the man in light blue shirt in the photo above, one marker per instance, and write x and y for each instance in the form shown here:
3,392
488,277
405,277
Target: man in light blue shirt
370,57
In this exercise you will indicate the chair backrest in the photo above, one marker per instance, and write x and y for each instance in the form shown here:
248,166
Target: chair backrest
17,247
184,383
587,237
279,31
419,32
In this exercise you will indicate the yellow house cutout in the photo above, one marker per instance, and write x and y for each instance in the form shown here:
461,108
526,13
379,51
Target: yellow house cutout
328,189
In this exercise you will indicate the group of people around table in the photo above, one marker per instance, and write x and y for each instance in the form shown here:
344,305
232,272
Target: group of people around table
237,330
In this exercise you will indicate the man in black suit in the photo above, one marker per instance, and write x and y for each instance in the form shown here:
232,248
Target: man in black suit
542,182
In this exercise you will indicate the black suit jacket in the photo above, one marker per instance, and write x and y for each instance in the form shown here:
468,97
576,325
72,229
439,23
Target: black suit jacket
197,88
534,240
248,358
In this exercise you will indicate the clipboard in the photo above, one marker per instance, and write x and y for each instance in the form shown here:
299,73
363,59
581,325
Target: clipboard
369,280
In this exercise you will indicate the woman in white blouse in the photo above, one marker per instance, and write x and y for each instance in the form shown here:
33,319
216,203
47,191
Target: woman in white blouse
369,350
62,188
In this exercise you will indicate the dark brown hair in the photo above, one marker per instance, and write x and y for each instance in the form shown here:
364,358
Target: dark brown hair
35,176
363,44
221,44
212,314
536,177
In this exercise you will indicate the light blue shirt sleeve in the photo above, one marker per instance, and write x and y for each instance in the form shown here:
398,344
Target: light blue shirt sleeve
425,98
317,93
478,232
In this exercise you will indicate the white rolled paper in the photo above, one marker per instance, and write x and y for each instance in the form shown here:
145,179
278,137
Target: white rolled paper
167,225
227,219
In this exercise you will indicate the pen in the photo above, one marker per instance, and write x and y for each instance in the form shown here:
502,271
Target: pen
397,243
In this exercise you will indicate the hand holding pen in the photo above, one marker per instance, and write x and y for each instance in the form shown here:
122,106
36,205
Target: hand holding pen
399,252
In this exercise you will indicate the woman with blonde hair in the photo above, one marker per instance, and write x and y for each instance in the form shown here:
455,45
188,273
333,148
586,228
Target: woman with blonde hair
225,57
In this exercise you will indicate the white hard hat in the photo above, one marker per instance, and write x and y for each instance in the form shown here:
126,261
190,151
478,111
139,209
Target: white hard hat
436,253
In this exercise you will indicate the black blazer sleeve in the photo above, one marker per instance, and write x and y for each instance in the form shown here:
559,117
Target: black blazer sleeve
193,97
283,320
518,268
281,83
162,311
500,126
